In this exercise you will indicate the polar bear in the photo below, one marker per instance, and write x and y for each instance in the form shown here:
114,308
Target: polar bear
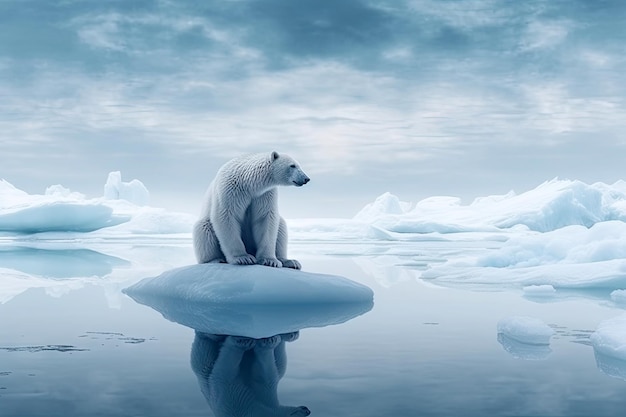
239,223
239,376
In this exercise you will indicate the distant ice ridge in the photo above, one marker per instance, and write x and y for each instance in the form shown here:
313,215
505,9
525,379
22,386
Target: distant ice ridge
552,205
61,210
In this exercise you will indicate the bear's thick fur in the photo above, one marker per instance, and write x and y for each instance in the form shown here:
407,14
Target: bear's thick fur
240,223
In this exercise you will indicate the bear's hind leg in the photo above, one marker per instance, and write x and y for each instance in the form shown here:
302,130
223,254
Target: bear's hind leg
205,243
281,247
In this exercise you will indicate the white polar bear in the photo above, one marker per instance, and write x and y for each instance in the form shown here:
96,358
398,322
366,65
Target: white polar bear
240,223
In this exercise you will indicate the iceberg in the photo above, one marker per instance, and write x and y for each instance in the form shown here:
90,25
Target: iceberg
385,204
134,191
252,301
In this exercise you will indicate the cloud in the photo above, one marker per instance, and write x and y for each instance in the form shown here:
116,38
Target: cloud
383,88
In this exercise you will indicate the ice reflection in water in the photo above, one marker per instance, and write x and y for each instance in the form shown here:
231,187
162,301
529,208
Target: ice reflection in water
242,317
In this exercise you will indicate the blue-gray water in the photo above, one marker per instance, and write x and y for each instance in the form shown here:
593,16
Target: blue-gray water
81,348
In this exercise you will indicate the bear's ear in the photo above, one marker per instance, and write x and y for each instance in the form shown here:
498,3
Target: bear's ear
274,156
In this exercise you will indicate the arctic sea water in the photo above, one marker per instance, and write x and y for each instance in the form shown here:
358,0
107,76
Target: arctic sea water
472,316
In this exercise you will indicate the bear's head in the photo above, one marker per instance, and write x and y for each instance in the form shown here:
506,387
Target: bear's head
287,171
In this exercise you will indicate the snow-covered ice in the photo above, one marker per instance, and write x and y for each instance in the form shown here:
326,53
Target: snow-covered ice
552,205
563,234
527,330
253,301
570,257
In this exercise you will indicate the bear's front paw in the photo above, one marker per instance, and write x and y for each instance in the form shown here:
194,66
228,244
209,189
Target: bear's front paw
301,411
243,343
218,261
291,263
246,259
268,342
290,337
273,262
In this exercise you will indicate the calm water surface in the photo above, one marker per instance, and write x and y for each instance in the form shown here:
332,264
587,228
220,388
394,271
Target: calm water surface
74,345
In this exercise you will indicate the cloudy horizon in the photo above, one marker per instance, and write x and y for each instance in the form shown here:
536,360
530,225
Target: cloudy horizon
417,97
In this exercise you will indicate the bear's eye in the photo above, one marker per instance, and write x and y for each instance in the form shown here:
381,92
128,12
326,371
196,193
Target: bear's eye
292,166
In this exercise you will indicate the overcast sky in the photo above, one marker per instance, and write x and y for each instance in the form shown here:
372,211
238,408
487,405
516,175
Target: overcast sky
417,97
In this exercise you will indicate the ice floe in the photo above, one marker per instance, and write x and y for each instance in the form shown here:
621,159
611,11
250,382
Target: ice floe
574,257
124,204
252,301
525,338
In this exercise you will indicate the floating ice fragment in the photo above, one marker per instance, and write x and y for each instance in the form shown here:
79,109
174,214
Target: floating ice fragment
610,338
539,290
528,330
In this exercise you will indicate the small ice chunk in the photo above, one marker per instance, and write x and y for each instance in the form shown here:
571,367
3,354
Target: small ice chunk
527,330
610,337
619,296
539,290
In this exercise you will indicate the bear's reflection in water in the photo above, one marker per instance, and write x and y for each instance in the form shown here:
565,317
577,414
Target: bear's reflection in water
239,375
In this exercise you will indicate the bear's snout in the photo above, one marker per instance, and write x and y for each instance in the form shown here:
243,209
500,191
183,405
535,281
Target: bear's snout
300,183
